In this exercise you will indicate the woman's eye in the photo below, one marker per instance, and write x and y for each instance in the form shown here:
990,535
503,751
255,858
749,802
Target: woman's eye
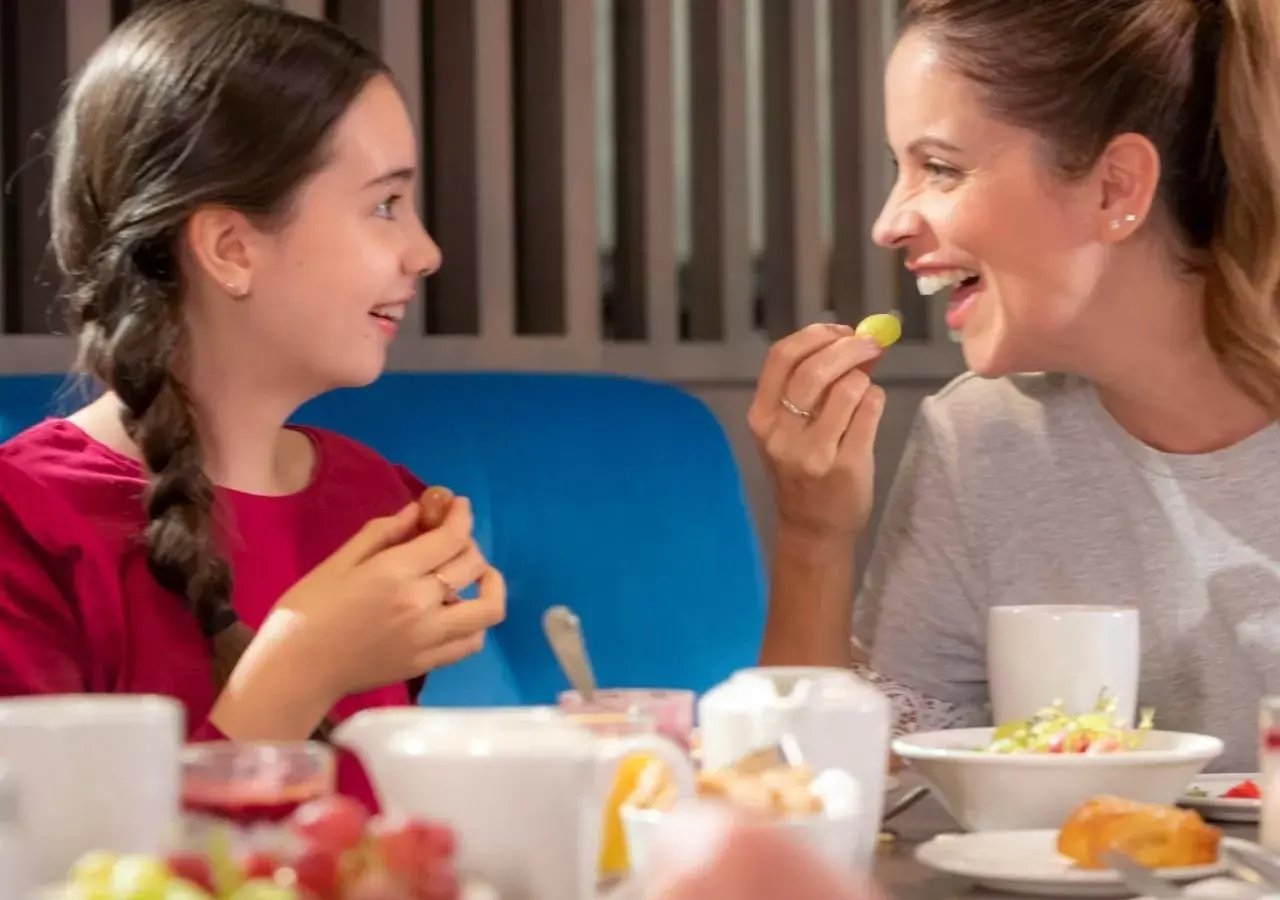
940,171
387,208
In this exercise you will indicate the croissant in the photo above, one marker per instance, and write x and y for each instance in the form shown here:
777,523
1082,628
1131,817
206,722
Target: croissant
1158,837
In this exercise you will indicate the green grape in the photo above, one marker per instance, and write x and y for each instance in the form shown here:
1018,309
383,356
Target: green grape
181,889
260,889
884,328
93,870
139,878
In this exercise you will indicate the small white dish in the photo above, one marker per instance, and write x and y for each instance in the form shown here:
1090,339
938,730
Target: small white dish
1028,863
1216,808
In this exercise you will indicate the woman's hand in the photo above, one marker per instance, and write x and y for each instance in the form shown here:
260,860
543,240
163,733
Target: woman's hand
814,417
381,609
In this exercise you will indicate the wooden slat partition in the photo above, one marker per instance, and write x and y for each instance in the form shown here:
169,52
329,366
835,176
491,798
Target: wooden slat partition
472,190
645,292
720,302
557,232
794,256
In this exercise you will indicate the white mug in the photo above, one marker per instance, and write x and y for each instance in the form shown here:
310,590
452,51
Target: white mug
94,772
1037,655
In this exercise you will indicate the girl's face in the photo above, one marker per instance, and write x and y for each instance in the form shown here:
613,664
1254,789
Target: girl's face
325,292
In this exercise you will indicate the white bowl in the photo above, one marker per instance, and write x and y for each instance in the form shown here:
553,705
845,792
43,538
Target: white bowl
843,841
1005,792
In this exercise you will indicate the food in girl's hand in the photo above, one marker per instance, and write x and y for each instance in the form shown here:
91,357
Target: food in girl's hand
435,506
774,791
330,849
1158,837
884,328
1053,731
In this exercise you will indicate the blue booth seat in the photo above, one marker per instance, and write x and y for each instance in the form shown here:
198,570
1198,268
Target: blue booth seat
616,497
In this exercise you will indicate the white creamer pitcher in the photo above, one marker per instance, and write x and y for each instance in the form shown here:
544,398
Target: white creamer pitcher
838,720
524,791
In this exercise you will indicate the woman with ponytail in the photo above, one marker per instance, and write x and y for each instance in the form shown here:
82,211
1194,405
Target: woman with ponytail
231,211
1095,188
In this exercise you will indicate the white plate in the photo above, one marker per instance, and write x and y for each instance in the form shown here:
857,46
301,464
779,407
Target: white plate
1027,862
1214,807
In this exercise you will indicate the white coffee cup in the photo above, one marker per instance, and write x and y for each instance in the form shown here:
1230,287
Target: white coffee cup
1037,655
94,772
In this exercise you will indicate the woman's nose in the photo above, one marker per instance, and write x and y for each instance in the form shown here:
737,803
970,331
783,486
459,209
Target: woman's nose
896,225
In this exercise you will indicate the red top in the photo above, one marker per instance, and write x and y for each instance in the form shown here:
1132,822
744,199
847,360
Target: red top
79,611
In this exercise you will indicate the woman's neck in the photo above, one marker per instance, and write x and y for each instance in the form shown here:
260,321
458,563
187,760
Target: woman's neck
1158,376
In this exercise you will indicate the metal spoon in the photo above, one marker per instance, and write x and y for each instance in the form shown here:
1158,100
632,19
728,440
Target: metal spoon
564,634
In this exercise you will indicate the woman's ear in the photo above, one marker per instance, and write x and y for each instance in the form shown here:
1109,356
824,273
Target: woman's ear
1128,175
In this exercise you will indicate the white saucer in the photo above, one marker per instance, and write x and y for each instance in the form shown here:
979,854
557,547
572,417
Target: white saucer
1027,862
1213,806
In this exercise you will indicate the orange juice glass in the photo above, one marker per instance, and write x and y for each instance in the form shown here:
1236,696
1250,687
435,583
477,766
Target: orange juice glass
621,713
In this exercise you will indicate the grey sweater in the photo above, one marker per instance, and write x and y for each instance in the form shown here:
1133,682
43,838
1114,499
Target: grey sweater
1024,490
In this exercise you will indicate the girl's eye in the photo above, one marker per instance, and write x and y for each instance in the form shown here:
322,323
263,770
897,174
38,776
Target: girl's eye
387,208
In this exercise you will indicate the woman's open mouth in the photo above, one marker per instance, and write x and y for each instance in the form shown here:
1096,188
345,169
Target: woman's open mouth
964,284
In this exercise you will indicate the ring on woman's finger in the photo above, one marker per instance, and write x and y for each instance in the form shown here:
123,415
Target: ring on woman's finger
795,410
450,595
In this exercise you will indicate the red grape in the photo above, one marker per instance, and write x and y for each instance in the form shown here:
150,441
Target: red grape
318,872
336,823
439,882
376,885
407,845
193,867
258,865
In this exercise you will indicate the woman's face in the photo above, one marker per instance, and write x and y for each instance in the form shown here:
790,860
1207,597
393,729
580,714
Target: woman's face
327,289
977,205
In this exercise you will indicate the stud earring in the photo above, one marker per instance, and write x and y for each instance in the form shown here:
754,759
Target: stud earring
1129,219
235,290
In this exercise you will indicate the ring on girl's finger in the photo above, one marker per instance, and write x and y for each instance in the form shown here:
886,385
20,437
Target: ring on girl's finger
450,595
795,410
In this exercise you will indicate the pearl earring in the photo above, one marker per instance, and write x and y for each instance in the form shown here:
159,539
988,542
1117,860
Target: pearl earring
234,290
1129,219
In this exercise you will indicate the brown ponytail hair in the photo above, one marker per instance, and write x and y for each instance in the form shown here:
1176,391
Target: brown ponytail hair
1242,315
1200,79
186,105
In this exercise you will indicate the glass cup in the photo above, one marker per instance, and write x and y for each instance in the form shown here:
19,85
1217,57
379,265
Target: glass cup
250,783
1269,772
614,862
670,710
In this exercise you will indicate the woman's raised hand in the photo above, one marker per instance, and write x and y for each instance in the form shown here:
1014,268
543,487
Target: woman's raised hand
814,417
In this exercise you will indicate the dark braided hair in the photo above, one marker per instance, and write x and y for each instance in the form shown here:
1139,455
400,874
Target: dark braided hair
186,105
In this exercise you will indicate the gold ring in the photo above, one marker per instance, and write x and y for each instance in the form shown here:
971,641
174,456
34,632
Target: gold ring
795,410
450,595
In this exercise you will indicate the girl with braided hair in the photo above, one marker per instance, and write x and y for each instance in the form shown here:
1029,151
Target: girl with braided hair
231,213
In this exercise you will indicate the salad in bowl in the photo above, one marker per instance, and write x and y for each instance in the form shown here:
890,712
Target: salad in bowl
1032,773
